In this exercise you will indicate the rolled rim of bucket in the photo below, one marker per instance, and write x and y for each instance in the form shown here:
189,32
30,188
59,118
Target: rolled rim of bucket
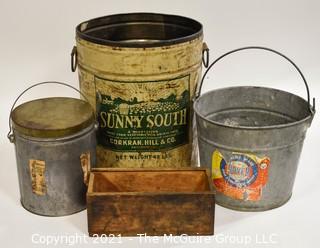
304,118
198,112
139,30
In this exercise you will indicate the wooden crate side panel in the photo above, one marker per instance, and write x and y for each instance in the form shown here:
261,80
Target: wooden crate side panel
130,215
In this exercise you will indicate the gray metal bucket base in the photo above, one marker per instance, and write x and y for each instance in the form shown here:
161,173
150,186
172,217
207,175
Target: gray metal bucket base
46,215
250,209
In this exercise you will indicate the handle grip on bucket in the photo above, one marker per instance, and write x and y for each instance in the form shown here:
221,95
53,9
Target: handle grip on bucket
205,55
10,134
311,108
74,59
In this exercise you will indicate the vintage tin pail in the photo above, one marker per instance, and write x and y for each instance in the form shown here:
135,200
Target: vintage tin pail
139,71
55,143
251,138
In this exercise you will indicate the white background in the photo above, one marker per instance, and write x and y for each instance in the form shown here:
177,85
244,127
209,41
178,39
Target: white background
35,43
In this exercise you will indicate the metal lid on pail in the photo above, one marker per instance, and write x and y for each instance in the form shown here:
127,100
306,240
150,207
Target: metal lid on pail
139,30
53,117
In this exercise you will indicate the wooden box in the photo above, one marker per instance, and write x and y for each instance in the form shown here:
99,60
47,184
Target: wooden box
150,201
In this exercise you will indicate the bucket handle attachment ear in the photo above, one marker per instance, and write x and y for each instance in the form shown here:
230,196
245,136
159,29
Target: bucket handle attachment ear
205,55
74,59
10,135
311,108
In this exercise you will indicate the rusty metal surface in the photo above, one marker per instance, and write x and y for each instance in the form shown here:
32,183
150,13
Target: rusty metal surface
52,117
138,75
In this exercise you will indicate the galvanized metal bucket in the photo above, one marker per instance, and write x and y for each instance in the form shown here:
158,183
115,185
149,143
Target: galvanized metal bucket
55,143
140,71
251,139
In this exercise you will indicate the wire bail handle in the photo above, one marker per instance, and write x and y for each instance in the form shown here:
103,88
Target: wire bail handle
10,135
311,108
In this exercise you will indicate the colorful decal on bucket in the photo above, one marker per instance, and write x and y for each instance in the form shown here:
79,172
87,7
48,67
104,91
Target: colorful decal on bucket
37,173
86,166
143,116
241,177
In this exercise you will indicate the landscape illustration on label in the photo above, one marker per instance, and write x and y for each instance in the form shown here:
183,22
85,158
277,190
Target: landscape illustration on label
152,121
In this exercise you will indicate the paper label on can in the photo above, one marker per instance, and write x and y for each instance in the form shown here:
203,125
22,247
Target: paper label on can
86,166
242,177
37,173
143,116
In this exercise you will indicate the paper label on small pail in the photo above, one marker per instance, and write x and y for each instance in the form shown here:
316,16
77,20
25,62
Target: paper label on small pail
86,166
37,173
242,177
143,116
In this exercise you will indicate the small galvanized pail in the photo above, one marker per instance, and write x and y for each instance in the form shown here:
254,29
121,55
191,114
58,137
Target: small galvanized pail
55,143
139,71
251,138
